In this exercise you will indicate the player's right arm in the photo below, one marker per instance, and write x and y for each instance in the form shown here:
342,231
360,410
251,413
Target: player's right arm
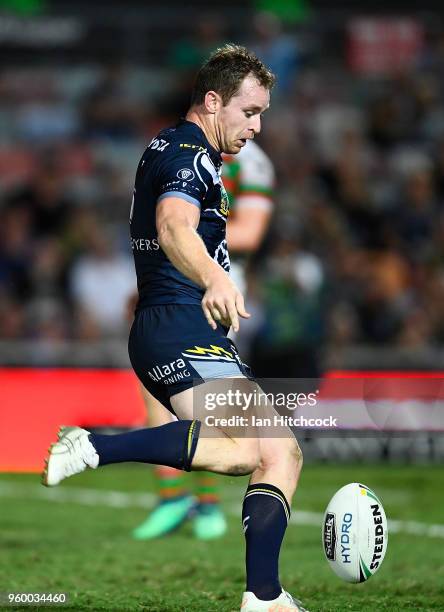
176,221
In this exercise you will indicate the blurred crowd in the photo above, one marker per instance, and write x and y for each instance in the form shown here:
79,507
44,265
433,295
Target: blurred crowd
355,254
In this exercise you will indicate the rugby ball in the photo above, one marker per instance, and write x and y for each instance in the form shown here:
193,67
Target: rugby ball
355,533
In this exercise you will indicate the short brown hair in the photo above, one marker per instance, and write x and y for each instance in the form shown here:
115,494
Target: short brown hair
224,71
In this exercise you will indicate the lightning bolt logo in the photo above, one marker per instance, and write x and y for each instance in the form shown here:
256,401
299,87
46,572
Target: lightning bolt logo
214,352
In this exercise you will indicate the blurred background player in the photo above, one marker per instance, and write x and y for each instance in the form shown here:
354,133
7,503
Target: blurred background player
248,178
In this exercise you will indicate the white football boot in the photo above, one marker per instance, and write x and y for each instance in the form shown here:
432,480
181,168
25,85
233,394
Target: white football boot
284,603
71,454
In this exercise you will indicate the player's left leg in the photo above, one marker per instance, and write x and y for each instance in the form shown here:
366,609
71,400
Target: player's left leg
266,507
265,515
175,503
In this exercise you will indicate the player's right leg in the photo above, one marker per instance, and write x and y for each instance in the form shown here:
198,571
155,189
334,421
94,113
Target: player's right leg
176,444
167,350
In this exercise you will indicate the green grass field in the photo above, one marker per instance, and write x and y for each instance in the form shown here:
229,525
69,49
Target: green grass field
75,538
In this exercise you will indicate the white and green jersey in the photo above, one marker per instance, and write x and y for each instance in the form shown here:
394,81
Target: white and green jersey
248,178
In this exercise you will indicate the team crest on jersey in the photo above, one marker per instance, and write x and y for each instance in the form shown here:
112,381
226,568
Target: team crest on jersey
185,174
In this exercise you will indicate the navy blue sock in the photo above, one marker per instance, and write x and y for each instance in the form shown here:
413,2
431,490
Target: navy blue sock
173,444
265,516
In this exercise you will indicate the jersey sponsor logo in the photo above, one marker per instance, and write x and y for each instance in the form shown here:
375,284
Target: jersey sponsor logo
169,373
185,145
186,174
158,144
212,352
144,244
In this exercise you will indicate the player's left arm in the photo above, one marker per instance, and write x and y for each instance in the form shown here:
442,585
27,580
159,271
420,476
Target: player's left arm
246,229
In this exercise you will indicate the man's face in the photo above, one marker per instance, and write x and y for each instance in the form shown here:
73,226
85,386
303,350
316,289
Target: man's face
240,119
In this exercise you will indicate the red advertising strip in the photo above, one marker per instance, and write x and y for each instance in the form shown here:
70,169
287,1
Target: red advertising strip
383,374
35,402
394,385
389,401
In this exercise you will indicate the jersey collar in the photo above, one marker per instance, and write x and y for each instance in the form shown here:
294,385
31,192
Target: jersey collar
194,129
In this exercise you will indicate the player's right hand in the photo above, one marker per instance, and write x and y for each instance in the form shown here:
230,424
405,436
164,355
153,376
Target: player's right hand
223,302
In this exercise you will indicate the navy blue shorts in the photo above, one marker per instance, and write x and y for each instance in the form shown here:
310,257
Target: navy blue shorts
172,348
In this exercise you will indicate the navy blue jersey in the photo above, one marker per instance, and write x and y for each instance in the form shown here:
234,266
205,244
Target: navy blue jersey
179,162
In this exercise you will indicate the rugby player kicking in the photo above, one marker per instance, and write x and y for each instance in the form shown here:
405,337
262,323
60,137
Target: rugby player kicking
248,178
187,302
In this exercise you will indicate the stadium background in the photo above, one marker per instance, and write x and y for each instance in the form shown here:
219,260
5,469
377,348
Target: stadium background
350,276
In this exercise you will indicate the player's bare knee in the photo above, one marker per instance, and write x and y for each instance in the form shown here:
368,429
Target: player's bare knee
296,454
291,453
284,454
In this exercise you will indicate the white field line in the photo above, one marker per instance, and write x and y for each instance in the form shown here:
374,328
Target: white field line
410,527
122,499
75,495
